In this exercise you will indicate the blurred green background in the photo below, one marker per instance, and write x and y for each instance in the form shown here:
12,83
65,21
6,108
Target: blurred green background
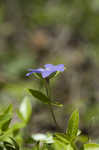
37,32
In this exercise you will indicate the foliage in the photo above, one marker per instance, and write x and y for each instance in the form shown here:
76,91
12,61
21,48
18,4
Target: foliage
48,141
67,24
68,140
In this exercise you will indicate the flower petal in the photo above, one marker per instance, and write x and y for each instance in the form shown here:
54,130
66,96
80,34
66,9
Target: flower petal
47,73
59,67
36,70
28,74
39,70
49,69
48,66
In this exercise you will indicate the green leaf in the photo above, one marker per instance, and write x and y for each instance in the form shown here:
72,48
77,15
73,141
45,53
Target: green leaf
5,118
11,145
5,124
8,145
73,124
43,98
20,115
7,113
25,109
15,144
8,109
1,148
4,136
83,139
15,128
58,145
69,147
61,137
91,146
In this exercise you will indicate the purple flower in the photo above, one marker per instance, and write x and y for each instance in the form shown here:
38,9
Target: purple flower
47,71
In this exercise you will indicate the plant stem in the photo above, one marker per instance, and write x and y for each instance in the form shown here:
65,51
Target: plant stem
74,146
37,146
48,92
51,110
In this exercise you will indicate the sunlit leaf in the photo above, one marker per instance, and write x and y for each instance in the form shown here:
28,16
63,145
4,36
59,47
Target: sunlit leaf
25,109
78,132
7,113
73,124
61,137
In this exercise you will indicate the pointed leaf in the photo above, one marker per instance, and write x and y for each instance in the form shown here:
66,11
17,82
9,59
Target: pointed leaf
5,124
15,128
61,137
43,98
8,109
58,145
5,118
6,114
25,109
7,145
15,144
73,124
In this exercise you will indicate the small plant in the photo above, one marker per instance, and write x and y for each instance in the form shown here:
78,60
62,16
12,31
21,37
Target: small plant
46,75
7,141
11,137
72,136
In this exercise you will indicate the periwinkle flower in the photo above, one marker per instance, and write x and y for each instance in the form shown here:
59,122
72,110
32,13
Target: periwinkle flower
47,70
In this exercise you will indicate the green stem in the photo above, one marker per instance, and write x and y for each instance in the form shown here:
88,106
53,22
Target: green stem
37,146
51,110
74,146
48,92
